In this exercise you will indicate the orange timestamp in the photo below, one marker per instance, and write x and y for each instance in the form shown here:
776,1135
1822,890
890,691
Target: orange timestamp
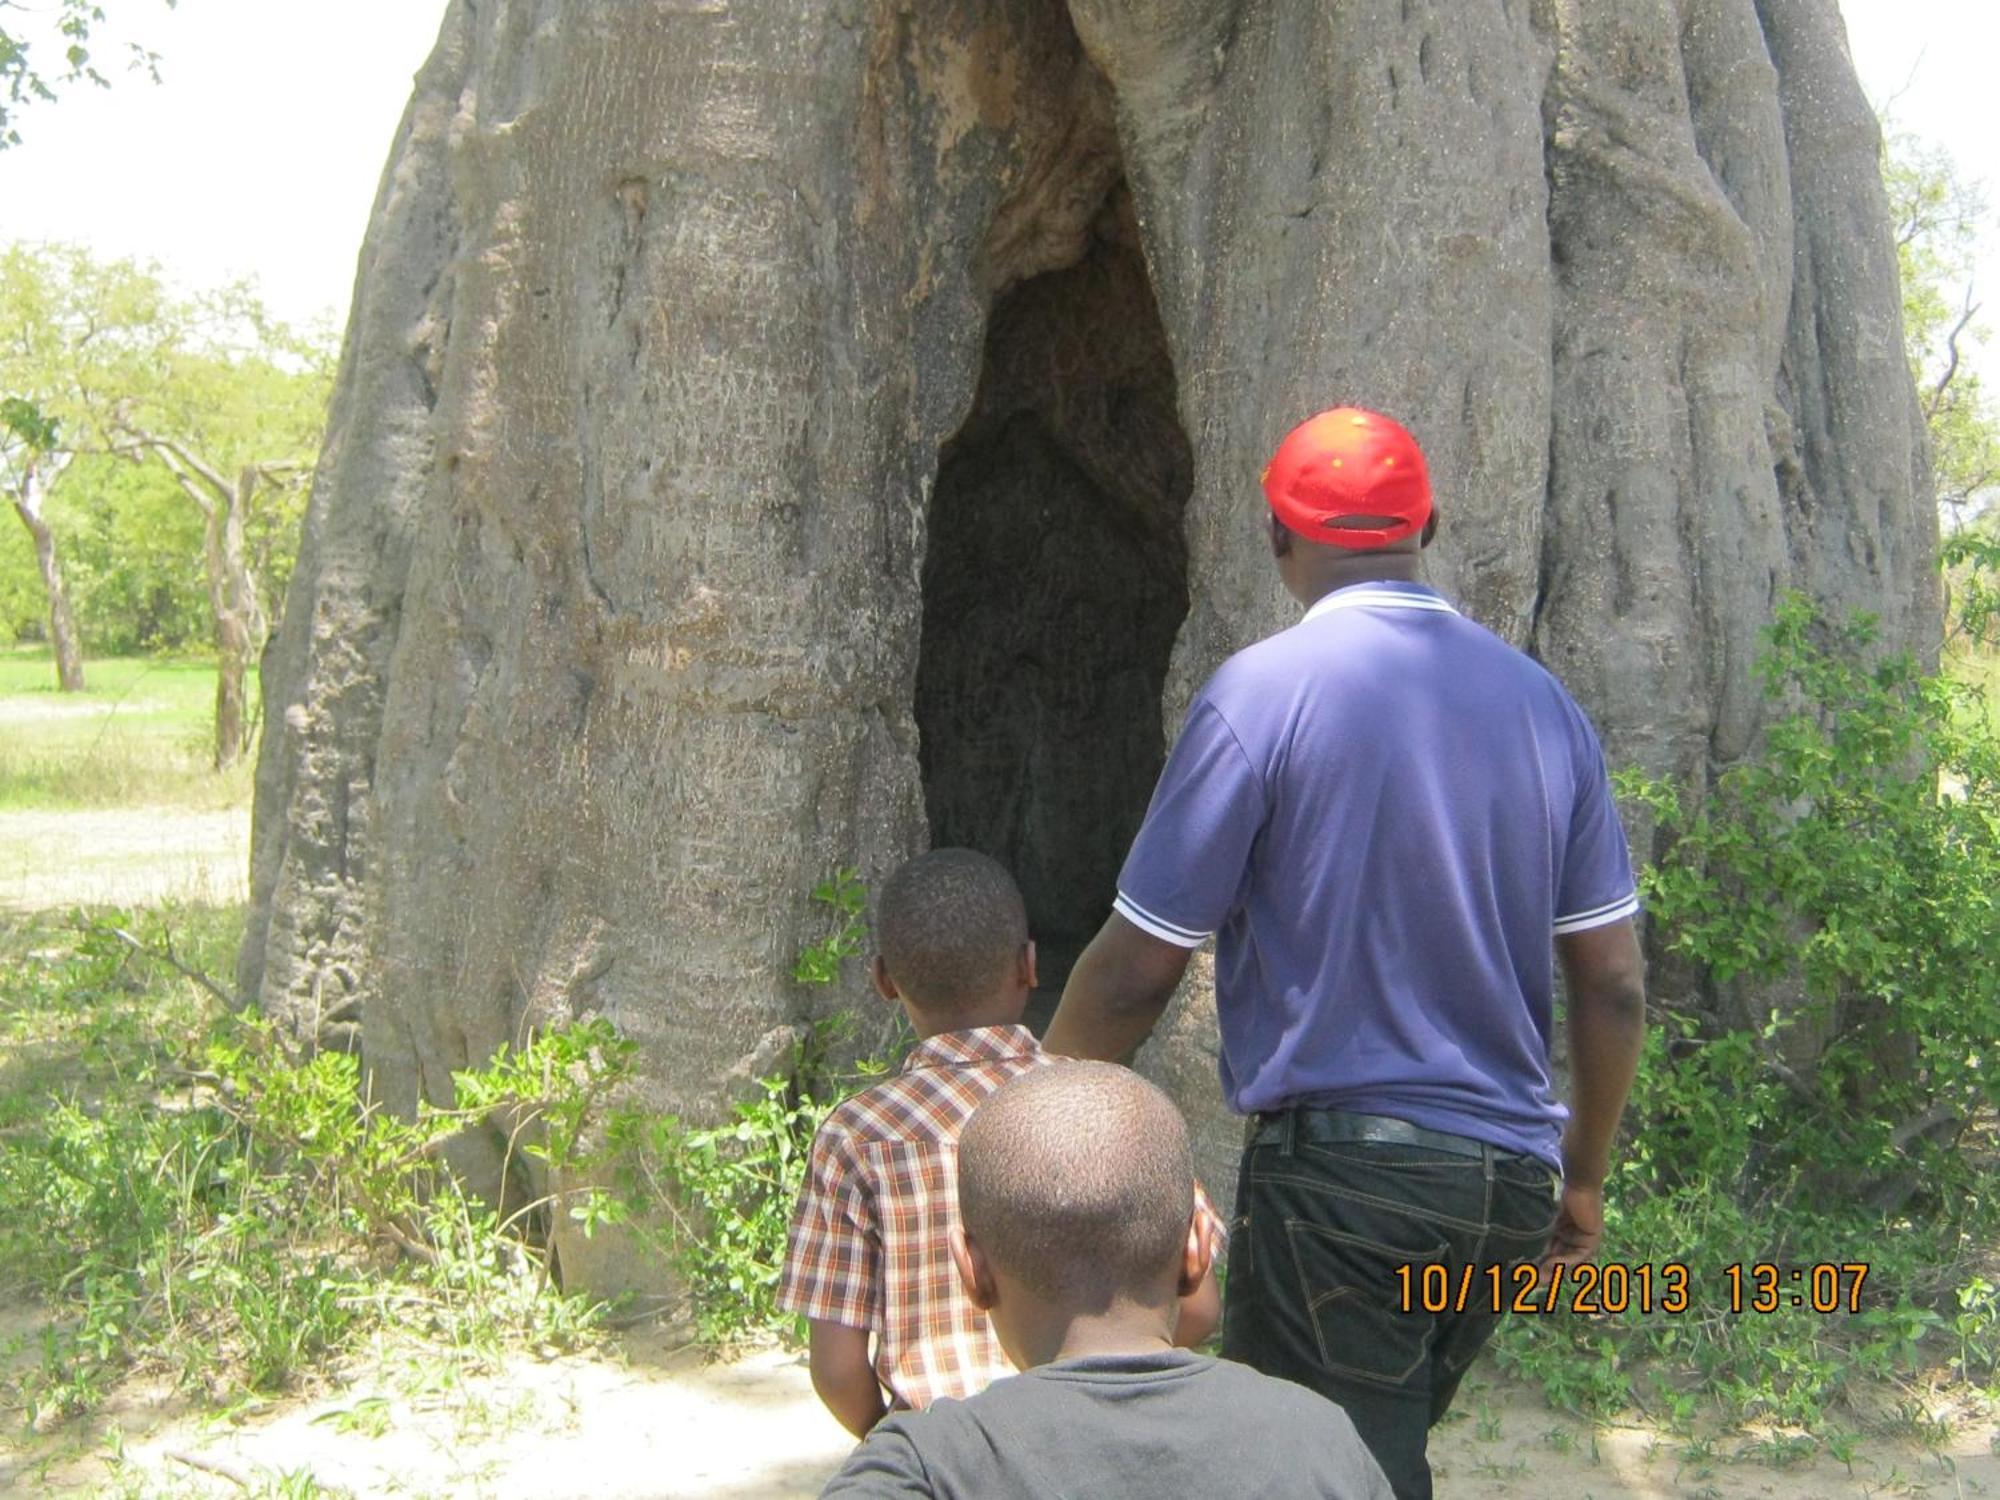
1595,1288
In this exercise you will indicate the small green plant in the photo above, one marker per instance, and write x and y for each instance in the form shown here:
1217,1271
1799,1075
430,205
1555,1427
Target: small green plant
370,1417
189,1194
819,962
1976,1327
729,1189
1698,1455
1782,1450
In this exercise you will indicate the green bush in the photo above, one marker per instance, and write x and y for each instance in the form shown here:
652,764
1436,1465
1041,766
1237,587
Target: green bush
1836,897
186,1194
1856,864
189,1194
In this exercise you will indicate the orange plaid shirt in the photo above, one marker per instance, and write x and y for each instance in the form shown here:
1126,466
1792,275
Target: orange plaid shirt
869,1240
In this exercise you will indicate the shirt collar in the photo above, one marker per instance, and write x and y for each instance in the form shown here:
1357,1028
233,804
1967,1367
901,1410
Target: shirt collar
1382,594
970,1048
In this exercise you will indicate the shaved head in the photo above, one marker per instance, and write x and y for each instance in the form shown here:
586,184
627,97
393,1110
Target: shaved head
1075,1179
950,925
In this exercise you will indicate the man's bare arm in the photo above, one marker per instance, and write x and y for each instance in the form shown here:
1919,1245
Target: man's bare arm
1116,993
1604,973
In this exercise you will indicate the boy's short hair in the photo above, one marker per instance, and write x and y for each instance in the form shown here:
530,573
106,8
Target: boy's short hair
1075,1178
948,924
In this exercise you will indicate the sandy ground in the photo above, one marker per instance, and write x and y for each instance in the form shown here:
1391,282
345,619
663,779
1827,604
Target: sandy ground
649,1419
126,857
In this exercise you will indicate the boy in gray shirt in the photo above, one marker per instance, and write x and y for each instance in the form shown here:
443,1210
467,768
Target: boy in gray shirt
1078,1237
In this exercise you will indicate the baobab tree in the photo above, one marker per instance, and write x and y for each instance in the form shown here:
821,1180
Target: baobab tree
774,436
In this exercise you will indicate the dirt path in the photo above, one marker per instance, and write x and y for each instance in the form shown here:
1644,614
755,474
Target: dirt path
126,857
653,1421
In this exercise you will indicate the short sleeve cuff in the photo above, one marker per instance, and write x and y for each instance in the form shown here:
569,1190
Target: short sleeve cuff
827,1305
1159,927
1599,916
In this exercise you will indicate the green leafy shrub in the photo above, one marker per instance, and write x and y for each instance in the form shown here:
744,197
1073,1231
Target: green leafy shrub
1836,897
1856,863
187,1193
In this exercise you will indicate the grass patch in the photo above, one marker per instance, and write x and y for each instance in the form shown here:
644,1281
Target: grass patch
141,735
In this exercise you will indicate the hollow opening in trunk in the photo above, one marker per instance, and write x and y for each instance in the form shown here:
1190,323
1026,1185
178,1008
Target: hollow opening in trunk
1055,581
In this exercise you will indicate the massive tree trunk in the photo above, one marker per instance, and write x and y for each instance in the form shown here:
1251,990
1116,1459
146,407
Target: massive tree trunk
773,435
63,638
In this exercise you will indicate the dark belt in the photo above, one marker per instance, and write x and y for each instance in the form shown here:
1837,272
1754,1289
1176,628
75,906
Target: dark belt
1330,1126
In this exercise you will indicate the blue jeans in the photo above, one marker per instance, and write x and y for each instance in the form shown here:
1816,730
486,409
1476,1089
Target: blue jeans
1315,1293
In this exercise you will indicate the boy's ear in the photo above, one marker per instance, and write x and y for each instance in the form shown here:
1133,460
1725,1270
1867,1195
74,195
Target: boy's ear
1197,1255
884,985
975,1273
1029,978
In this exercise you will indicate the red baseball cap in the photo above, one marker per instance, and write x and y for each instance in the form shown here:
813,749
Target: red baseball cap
1349,462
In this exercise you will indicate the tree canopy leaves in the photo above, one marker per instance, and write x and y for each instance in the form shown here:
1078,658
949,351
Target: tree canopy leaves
73,29
93,353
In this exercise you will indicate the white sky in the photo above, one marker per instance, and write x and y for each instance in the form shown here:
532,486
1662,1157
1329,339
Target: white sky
260,152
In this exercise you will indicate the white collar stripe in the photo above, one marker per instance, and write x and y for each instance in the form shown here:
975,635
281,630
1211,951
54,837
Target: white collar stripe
1359,598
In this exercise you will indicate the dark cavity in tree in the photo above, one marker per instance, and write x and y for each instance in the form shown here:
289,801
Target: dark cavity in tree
1054,584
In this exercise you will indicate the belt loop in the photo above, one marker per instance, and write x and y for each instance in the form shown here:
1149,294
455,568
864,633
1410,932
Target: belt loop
1291,1130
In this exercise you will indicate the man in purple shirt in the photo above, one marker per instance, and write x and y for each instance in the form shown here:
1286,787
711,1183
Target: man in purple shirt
1393,824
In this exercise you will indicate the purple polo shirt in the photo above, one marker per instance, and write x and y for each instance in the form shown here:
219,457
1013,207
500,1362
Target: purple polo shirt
1384,814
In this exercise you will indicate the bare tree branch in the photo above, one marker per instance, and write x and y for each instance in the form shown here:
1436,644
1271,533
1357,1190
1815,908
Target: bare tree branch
1923,1124
1951,350
175,453
169,958
213,1466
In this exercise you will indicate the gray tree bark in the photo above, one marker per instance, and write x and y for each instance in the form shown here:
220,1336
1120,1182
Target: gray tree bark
714,364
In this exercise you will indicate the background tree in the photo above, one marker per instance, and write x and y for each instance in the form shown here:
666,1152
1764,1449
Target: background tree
218,401
31,460
73,26
1938,218
73,332
235,418
132,559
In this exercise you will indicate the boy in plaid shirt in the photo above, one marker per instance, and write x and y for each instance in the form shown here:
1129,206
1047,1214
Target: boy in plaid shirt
869,1253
